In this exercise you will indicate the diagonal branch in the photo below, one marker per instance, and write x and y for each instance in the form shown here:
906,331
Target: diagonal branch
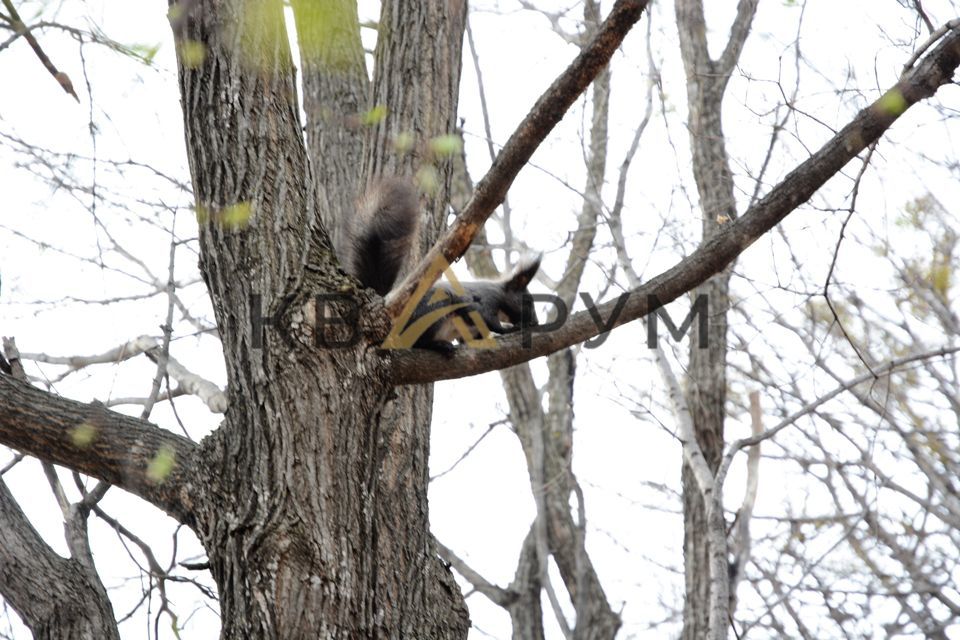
885,370
496,594
129,453
936,69
740,544
543,117
62,78
73,602
28,565
712,494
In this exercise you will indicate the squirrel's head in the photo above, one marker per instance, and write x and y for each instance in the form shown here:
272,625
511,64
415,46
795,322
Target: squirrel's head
516,303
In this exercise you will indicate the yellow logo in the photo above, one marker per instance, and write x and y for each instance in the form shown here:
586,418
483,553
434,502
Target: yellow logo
402,336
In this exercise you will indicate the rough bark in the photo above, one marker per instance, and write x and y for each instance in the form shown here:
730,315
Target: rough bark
314,514
74,603
526,610
90,439
311,497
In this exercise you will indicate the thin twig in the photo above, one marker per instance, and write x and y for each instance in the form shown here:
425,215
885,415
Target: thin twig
836,254
936,35
62,78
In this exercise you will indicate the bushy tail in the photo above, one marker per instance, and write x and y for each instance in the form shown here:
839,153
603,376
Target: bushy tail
384,233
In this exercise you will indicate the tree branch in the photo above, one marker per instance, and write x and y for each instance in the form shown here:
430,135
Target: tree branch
711,492
62,78
497,595
741,543
73,605
543,117
686,432
129,453
207,391
81,607
936,69
738,36
884,370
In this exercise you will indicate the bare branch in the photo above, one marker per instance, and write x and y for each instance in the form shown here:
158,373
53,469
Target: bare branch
543,117
937,69
741,537
62,78
813,406
28,567
936,35
836,254
712,493
209,392
74,584
692,454
498,595
129,453
739,31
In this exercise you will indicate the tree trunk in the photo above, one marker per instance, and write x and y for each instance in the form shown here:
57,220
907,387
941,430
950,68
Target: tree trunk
312,497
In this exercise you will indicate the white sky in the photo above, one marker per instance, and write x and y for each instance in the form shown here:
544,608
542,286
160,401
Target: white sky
484,508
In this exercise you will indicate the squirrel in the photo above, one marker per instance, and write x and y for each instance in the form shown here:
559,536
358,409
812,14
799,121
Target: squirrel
385,232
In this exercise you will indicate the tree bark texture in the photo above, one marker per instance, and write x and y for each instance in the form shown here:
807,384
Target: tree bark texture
74,602
313,509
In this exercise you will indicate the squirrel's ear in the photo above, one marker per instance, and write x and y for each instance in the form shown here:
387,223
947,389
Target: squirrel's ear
523,272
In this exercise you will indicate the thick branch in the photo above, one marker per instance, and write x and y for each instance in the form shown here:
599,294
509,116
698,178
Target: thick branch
129,453
544,116
418,366
335,91
72,606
